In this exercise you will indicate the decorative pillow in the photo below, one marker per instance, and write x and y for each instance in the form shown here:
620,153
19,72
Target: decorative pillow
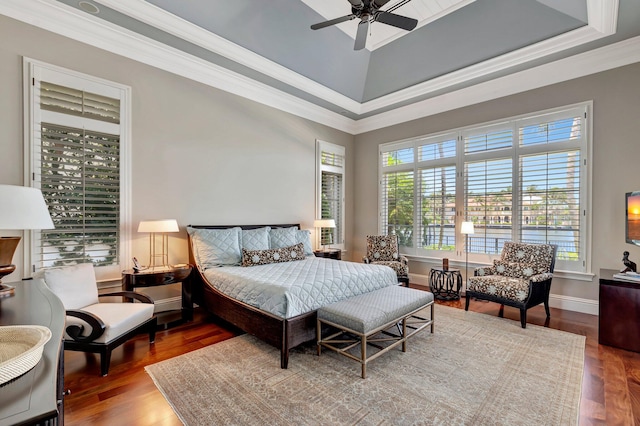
263,257
74,285
216,247
256,239
304,236
283,237
514,269
382,247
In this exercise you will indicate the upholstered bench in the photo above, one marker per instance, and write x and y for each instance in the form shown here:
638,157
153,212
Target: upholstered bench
366,320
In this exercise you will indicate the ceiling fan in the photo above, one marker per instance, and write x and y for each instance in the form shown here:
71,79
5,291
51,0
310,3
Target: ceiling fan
369,11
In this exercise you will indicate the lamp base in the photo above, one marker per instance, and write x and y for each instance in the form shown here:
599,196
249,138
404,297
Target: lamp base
8,247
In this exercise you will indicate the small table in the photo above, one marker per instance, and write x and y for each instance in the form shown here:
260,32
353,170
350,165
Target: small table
155,277
329,254
445,284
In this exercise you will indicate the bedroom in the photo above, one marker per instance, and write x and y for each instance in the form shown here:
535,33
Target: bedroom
204,155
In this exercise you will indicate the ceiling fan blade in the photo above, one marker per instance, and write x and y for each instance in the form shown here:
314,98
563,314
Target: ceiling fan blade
361,35
396,20
380,3
358,4
332,22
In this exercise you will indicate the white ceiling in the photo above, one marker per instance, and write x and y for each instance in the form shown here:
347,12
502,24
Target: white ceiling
475,50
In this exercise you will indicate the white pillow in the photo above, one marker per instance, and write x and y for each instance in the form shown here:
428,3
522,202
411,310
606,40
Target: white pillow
74,285
255,239
304,236
216,247
283,237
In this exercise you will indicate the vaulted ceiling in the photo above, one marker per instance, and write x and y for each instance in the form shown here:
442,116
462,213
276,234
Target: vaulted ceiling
265,50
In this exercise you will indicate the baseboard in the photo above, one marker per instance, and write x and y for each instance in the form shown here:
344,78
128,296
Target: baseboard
567,303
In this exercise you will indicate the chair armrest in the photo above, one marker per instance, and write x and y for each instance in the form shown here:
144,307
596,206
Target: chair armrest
365,259
484,270
75,330
541,277
132,294
404,260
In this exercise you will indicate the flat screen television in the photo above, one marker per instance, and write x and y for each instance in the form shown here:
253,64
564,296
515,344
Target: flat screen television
632,207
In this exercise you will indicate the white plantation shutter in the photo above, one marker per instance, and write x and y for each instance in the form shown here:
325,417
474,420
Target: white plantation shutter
79,179
77,161
398,206
331,192
523,179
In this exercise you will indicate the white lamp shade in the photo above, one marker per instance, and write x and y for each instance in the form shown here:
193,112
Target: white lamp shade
324,223
167,225
467,228
23,208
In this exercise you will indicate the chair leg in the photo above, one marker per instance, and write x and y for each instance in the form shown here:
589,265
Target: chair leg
546,308
523,318
466,302
105,360
153,325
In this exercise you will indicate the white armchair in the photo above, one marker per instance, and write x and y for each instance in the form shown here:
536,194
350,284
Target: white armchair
92,326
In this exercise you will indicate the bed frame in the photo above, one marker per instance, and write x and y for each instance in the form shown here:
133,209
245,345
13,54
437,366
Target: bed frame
284,334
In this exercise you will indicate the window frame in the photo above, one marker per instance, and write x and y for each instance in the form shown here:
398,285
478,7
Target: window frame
33,72
514,152
323,146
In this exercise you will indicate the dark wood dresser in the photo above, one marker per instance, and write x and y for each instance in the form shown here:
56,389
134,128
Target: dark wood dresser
619,320
36,397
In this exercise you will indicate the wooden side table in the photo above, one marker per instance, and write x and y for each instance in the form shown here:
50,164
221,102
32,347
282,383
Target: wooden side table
445,284
156,277
329,254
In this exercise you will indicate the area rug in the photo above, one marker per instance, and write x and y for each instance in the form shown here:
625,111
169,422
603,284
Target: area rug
476,369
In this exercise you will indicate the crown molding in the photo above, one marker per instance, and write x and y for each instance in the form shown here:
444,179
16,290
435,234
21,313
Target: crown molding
602,59
602,16
61,19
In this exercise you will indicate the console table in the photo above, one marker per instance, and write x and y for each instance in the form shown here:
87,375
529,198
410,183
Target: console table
36,397
329,254
619,320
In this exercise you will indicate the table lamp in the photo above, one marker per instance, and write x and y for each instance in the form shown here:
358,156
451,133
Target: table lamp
22,208
324,223
466,229
155,227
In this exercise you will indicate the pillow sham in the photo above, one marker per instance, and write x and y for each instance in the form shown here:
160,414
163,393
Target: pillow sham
264,257
216,247
256,239
304,236
282,237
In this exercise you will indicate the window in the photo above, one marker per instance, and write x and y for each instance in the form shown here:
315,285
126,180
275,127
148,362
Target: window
330,202
523,179
77,144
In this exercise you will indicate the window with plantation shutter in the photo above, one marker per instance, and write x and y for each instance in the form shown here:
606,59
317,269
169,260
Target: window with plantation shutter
331,163
520,179
77,147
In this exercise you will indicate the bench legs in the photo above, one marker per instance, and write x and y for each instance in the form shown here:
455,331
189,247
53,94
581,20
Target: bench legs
345,339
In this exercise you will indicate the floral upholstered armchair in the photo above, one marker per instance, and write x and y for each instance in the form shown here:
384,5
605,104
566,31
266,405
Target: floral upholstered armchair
384,250
520,278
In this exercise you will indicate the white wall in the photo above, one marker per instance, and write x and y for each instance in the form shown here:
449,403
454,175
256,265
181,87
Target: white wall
200,155
616,150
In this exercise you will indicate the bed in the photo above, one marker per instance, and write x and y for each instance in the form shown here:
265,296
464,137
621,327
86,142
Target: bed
278,302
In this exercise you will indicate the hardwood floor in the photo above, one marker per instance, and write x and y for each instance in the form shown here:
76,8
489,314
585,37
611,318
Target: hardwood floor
610,389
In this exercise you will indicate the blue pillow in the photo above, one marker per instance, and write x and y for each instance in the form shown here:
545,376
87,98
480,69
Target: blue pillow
256,239
283,237
216,247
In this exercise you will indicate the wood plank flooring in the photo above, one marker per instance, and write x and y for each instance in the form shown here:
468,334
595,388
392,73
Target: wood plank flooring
610,389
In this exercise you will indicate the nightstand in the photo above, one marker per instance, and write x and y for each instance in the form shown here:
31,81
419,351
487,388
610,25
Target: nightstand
329,254
163,276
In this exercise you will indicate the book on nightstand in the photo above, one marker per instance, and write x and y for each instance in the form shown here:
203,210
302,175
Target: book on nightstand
6,290
627,276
